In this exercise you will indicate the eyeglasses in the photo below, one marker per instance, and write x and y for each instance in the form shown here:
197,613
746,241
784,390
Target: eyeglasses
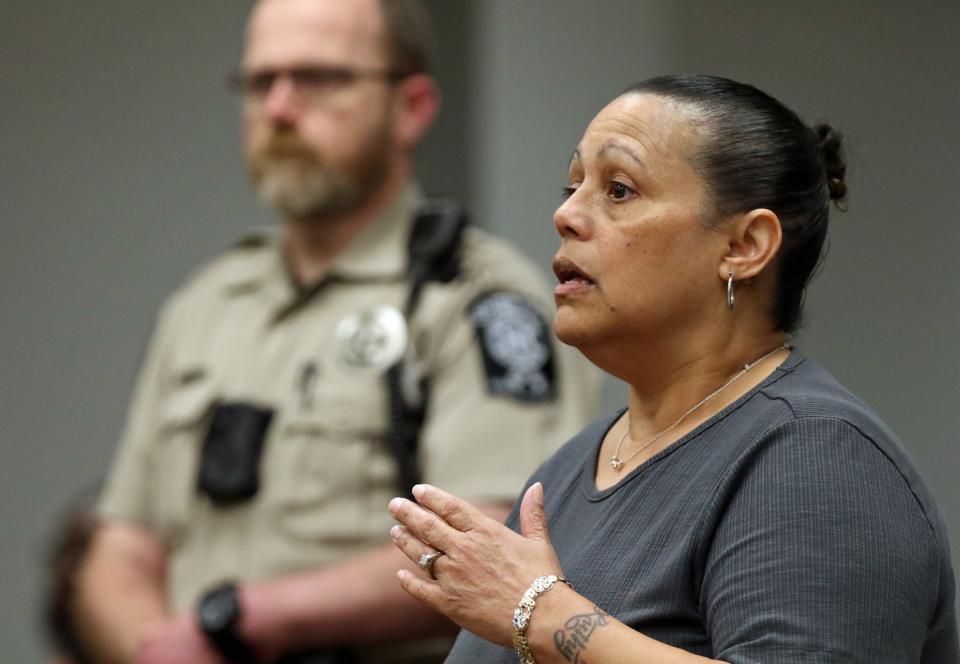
311,83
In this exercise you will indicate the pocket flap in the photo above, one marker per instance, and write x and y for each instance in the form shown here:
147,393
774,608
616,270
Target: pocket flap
188,405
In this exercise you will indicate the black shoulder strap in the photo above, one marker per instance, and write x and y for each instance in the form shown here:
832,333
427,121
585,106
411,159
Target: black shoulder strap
434,252
434,248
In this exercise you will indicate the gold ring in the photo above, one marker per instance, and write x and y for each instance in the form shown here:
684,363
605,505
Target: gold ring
426,563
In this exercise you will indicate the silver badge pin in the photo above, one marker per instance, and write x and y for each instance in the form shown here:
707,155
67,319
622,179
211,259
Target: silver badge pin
374,339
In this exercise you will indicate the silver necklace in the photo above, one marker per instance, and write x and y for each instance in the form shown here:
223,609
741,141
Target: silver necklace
617,463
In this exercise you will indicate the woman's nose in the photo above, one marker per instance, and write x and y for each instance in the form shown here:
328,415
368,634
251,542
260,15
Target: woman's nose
571,220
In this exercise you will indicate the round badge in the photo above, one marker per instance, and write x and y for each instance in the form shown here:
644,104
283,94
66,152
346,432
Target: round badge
374,339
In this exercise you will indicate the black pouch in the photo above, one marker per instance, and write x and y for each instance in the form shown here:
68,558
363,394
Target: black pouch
230,461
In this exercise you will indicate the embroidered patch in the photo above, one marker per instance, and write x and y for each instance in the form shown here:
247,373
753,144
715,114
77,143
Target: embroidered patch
515,341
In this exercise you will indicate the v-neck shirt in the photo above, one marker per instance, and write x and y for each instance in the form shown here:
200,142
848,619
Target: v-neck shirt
791,526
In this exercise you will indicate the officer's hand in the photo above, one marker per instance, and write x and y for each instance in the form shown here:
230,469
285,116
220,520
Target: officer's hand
485,567
177,641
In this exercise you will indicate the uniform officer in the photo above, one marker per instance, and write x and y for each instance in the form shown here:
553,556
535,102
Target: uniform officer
294,383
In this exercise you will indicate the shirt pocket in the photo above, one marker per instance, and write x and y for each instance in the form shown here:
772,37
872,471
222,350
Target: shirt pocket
175,458
320,469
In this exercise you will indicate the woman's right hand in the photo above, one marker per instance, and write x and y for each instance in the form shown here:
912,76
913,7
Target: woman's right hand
485,567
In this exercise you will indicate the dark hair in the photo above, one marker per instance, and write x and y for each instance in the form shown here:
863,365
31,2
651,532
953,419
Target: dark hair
410,35
67,554
757,153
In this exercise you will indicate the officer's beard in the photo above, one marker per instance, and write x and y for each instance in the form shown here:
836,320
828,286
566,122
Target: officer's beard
292,177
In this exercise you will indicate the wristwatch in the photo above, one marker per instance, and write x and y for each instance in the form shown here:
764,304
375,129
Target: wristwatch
218,614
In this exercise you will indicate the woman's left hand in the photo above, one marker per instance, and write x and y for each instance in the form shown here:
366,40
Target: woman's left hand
485,567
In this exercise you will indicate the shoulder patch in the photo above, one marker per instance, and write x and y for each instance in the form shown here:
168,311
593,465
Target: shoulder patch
516,345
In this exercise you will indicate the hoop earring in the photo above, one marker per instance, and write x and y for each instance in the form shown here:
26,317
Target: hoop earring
730,298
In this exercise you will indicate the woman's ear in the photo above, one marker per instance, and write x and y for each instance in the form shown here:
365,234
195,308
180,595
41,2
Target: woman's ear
755,239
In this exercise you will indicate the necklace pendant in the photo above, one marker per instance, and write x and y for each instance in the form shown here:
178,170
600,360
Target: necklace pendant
616,463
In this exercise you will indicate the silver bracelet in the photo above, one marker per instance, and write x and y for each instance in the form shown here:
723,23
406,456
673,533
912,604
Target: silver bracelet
521,616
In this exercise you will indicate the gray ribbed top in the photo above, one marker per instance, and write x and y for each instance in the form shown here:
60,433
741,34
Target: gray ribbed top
790,527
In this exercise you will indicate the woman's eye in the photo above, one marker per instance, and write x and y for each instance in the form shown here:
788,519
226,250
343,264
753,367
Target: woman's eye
567,192
619,191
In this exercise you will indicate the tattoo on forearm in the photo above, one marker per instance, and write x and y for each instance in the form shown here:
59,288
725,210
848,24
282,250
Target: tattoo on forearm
572,640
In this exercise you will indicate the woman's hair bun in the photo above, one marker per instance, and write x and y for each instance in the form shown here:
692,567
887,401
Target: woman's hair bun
831,155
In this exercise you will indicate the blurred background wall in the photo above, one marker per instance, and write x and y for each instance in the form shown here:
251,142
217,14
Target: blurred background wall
121,171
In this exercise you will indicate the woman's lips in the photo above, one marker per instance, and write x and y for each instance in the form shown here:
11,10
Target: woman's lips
573,280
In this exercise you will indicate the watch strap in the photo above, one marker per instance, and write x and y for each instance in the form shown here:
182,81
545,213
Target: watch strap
218,615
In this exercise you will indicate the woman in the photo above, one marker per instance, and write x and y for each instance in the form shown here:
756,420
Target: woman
744,507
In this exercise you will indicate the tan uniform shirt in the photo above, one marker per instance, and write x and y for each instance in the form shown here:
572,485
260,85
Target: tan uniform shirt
240,331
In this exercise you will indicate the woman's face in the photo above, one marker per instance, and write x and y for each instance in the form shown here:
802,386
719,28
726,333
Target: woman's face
637,264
